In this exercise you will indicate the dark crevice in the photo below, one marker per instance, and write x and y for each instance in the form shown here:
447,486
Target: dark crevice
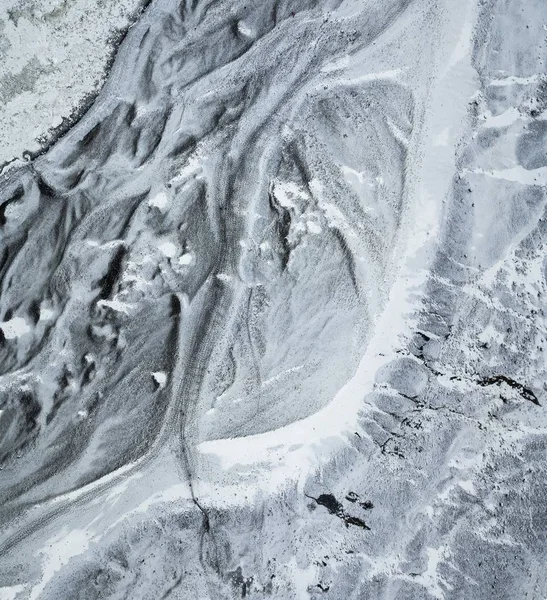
335,508
45,188
283,225
16,195
524,391
355,498
348,257
172,588
108,282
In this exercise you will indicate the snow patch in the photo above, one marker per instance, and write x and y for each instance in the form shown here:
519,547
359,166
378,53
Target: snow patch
15,328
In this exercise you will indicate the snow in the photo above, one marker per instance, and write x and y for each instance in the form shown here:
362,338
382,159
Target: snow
15,328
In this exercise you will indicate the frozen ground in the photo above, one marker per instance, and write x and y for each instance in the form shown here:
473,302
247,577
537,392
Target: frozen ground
54,56
271,312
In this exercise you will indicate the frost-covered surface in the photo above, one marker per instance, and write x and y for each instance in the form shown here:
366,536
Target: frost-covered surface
53,59
272,315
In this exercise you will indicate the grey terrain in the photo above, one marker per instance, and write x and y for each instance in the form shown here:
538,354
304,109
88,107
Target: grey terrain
271,309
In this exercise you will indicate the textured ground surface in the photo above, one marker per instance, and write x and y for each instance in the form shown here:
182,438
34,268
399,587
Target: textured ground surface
272,313
54,55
